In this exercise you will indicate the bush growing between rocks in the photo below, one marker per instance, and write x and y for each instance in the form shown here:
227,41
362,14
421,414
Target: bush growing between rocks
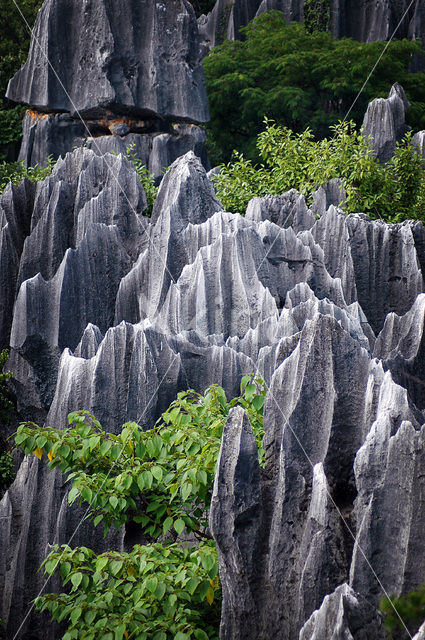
299,79
161,481
393,192
411,608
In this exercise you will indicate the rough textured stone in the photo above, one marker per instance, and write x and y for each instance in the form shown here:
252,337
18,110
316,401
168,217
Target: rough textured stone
115,314
125,64
384,123
339,616
365,20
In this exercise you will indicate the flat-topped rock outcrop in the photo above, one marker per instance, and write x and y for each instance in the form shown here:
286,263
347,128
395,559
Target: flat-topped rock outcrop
109,75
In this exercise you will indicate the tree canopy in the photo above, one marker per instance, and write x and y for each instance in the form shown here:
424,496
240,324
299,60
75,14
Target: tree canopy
298,79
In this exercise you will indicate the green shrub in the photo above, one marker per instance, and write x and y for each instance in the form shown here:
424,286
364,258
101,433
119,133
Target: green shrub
7,470
394,191
145,176
317,14
299,80
161,480
15,172
410,608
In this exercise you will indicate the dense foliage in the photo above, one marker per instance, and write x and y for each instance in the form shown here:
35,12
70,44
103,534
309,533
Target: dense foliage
145,176
14,45
411,609
317,14
394,191
161,481
14,172
298,79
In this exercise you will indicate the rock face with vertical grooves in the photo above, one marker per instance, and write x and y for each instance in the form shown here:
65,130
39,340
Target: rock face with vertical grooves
125,65
115,313
366,20
384,123
102,70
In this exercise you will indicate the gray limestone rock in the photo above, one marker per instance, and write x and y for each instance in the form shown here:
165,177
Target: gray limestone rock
419,140
288,210
384,123
339,616
331,193
421,633
401,345
225,20
154,142
185,196
386,266
125,64
235,522
213,296
15,219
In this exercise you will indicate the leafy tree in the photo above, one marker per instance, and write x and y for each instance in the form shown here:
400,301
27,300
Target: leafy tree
411,609
317,14
160,480
299,80
394,191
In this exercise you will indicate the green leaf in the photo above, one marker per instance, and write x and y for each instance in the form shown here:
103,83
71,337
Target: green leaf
258,402
168,522
179,526
73,494
89,616
186,490
160,591
116,566
200,635
151,584
119,632
113,501
76,580
157,473
75,615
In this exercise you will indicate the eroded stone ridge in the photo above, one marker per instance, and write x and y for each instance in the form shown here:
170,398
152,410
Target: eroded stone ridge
115,313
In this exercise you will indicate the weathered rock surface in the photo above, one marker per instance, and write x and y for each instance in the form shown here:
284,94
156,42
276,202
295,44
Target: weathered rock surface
384,123
366,21
114,57
115,313
123,83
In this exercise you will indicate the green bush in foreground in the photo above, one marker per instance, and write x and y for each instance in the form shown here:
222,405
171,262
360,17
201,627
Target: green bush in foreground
394,191
161,480
411,609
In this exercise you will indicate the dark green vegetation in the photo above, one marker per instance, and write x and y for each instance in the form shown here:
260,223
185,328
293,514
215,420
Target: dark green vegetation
411,609
14,172
317,15
160,480
146,178
7,467
394,191
299,80
14,45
